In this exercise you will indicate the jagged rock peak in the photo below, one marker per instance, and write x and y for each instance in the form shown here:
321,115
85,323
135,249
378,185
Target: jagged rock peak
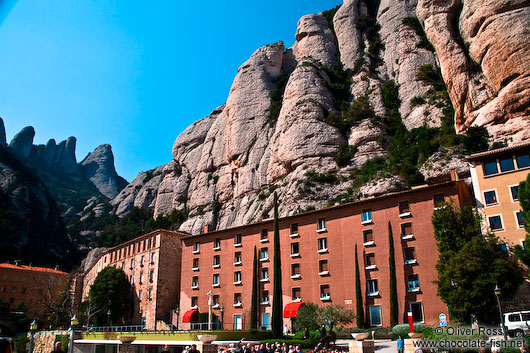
3,142
23,141
98,167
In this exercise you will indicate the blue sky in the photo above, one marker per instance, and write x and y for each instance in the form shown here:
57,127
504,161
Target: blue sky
127,73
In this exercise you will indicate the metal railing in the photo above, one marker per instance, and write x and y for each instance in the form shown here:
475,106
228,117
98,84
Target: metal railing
124,328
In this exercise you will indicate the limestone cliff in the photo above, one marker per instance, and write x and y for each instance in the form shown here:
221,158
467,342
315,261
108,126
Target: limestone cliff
305,120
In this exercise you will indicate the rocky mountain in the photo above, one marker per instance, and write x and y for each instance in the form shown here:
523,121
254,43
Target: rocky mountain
365,102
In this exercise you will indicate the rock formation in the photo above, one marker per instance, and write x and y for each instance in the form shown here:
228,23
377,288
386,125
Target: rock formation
3,142
98,167
23,141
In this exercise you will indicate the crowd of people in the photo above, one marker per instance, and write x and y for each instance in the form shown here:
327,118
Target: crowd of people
260,348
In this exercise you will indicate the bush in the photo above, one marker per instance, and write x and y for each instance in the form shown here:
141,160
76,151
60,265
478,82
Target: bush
344,154
418,100
403,329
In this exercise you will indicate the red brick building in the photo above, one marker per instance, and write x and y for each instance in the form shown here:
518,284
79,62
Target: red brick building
318,260
152,264
37,287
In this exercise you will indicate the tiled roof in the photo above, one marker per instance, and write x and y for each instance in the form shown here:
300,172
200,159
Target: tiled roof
498,151
31,268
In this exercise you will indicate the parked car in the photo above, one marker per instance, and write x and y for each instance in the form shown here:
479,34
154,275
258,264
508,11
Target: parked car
516,323
6,345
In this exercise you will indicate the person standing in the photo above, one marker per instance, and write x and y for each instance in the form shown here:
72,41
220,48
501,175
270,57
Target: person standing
400,344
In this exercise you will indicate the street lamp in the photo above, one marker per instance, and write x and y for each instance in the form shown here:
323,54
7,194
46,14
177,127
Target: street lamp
177,311
33,328
73,324
222,310
497,292
108,317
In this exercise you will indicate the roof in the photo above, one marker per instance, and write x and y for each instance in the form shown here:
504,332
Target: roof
489,153
146,235
31,268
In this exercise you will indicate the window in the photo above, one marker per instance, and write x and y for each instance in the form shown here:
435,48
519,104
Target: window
142,261
325,293
294,229
406,231
265,297
413,283
237,240
264,236
410,255
237,277
265,321
368,237
141,277
295,249
490,197
237,299
196,247
519,218
123,265
216,261
194,302
514,317
490,168
404,209
374,312
523,161
264,254
195,264
217,244
370,261
323,268
150,294
438,199
366,216
297,294
264,275
372,287
507,164
215,301
321,225
153,257
151,275
215,281
514,191
194,282
237,258
417,312
238,321
132,264
140,295
131,279
495,222
322,245
295,271
24,289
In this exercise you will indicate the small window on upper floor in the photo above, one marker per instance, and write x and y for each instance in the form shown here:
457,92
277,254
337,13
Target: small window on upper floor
495,223
490,198
410,255
217,244
366,216
368,237
490,168
438,199
196,247
264,237
373,289
322,245
523,160
264,254
514,192
297,294
321,224
237,240
294,228
404,208
406,231
507,164
216,261
237,258
519,218
295,270
295,249
195,264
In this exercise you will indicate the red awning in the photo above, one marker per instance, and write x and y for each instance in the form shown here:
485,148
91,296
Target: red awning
291,309
191,316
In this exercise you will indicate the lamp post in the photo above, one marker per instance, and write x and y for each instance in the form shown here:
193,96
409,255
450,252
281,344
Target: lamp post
222,310
108,317
497,292
73,324
33,328
177,311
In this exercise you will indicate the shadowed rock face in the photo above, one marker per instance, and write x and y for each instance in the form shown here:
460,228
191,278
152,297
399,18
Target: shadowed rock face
488,78
98,167
23,141
225,166
3,142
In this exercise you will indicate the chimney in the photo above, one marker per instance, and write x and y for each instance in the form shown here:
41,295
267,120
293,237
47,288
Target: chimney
454,175
206,228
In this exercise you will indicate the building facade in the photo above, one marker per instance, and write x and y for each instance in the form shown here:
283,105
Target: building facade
37,287
496,175
318,251
151,262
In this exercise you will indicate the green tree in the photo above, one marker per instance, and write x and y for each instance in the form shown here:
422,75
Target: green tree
359,318
254,304
334,315
524,200
393,286
277,302
306,317
110,293
470,264
476,139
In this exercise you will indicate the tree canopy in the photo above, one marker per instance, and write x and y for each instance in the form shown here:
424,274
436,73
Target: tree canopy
524,200
470,265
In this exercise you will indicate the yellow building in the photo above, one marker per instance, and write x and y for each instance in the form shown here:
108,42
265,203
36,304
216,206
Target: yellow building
496,175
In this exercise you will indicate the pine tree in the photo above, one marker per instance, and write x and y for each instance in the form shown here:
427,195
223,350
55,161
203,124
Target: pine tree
393,286
254,306
277,302
358,294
